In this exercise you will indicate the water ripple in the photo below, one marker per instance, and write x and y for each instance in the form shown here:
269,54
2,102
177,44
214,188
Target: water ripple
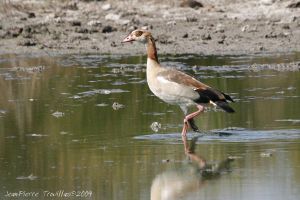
97,91
229,135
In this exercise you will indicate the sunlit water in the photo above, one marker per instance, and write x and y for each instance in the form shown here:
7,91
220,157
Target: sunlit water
90,124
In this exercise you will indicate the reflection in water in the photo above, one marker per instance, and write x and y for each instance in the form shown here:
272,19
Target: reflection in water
184,182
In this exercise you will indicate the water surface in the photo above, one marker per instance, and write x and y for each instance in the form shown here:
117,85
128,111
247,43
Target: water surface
90,123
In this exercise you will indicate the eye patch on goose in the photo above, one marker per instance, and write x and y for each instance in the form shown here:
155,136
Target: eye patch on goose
138,33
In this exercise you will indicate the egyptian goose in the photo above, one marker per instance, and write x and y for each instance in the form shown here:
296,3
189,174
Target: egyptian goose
176,87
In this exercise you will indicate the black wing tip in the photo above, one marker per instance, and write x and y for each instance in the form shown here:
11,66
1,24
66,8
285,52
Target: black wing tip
230,111
224,105
227,97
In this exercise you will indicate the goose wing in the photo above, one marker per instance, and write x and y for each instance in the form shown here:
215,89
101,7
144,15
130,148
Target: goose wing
206,93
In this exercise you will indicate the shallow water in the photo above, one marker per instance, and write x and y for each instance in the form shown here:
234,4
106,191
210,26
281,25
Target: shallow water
89,123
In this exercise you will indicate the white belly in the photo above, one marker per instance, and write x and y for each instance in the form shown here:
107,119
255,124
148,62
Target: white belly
168,91
170,98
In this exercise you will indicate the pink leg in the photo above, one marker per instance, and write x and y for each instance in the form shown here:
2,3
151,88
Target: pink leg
185,143
188,117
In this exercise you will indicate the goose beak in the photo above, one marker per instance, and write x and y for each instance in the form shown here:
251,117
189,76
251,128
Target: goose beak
129,38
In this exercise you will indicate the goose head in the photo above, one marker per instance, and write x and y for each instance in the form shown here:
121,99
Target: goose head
138,35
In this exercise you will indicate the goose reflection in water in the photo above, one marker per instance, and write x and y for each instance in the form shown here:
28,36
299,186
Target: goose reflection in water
183,182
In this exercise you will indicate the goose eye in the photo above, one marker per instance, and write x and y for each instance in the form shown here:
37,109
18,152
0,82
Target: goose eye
138,33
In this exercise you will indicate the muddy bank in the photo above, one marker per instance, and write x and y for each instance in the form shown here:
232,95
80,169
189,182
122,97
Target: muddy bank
218,27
